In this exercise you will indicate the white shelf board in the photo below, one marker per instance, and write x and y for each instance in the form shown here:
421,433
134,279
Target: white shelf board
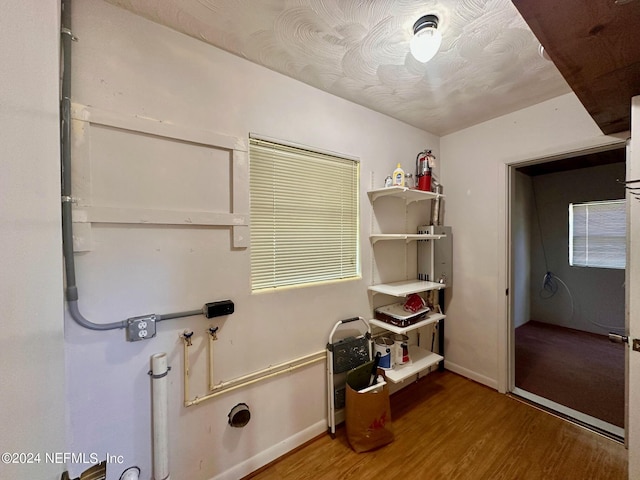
420,360
409,194
406,287
431,318
408,237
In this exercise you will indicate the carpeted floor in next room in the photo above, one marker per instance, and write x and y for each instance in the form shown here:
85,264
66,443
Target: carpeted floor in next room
580,370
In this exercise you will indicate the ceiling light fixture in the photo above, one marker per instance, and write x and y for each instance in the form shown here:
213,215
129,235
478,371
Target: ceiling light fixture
426,38
543,52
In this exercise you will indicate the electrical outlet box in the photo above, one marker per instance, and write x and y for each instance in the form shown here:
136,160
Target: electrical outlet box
141,328
218,309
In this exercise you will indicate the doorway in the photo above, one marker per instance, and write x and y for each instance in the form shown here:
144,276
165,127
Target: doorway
562,310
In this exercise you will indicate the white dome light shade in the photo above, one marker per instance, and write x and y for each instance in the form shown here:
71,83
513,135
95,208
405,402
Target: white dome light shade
427,39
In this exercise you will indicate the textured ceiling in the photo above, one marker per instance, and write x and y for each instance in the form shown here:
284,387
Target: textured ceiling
488,64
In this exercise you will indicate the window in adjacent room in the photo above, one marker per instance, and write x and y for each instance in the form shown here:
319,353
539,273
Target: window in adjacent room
597,234
304,215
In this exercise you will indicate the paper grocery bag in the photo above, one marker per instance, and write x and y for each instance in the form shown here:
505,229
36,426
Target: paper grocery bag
367,415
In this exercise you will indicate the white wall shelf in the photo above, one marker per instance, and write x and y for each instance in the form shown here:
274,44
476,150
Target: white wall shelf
408,237
405,287
409,194
420,360
431,318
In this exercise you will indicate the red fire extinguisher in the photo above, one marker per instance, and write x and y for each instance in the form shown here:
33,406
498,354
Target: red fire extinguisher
424,164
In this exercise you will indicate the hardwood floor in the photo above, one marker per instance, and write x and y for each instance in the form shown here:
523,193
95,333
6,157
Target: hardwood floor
448,427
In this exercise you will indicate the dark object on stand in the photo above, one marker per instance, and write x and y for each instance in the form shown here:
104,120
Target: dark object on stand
374,369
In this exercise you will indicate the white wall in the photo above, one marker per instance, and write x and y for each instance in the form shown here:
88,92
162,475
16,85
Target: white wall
597,294
128,65
521,227
125,64
32,379
474,177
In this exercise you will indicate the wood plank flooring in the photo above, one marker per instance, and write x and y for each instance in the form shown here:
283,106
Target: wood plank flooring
447,427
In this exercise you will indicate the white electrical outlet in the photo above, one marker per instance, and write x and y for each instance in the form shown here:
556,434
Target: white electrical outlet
141,328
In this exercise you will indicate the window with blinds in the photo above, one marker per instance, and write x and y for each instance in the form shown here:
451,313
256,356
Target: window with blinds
304,216
597,234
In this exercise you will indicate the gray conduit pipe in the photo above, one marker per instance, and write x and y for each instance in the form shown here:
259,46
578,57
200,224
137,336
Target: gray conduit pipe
67,220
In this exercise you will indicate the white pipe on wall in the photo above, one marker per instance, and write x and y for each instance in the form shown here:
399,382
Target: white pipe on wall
260,374
132,473
243,381
159,371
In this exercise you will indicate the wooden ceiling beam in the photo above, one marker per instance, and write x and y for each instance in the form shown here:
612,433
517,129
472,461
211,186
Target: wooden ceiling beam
595,44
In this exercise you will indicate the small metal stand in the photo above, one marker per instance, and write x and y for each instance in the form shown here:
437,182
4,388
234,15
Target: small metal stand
343,355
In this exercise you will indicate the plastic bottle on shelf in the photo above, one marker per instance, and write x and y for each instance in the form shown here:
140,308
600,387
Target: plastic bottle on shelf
398,177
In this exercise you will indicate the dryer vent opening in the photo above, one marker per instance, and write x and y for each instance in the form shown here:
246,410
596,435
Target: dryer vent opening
239,415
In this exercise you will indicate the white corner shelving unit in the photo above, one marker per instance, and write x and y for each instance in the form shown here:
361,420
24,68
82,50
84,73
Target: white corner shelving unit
421,359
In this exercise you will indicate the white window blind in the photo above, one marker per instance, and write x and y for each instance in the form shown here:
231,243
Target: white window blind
304,216
597,234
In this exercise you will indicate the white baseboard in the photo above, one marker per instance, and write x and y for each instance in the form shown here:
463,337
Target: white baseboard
270,454
489,382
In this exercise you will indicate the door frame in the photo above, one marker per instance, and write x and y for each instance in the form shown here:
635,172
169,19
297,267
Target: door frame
506,332
633,296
